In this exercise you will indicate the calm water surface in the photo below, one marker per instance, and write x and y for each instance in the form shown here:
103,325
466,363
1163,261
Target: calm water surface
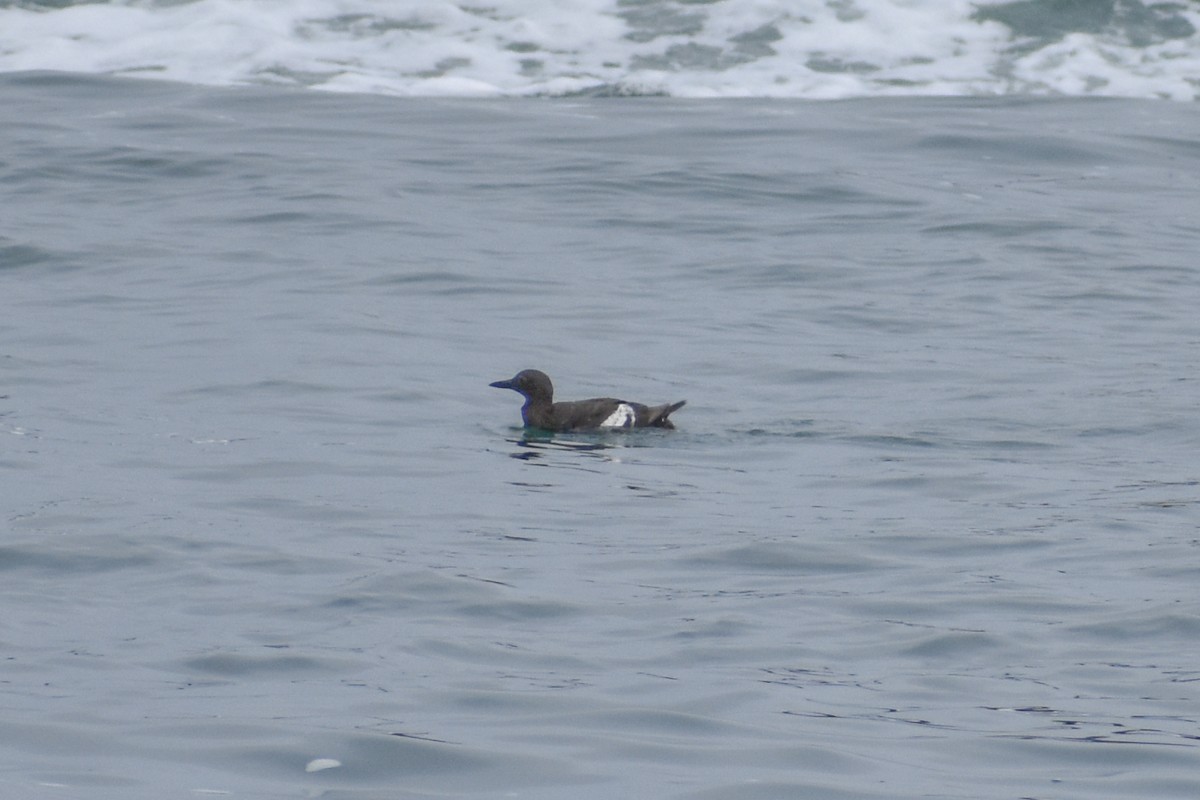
929,527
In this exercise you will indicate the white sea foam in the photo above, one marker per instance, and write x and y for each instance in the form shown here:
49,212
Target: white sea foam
813,49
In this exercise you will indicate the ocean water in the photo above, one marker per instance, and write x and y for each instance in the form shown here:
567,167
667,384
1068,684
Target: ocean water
682,48
930,525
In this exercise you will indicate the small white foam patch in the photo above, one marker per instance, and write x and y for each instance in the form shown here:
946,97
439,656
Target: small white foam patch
318,764
623,417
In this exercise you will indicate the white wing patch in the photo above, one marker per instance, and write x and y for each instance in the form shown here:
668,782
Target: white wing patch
623,417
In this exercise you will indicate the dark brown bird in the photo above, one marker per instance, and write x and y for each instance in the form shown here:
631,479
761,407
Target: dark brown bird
540,410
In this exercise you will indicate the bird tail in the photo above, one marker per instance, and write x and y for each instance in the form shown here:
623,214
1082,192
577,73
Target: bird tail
659,414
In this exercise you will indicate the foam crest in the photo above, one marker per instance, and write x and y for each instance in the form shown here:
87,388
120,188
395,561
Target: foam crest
737,48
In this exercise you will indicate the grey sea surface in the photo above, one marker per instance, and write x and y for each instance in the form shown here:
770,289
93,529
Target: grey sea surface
930,525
